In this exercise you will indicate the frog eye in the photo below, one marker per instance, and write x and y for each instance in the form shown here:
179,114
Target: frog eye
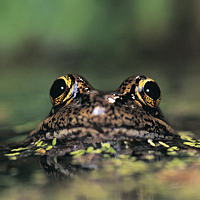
61,89
147,91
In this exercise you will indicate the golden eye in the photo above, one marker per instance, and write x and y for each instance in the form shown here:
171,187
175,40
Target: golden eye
61,90
147,91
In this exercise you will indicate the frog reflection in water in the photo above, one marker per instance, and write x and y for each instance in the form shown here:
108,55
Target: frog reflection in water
83,113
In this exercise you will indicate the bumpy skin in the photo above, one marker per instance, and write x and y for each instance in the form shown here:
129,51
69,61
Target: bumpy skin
95,116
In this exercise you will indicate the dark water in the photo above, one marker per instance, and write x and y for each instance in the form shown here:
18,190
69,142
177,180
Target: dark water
125,170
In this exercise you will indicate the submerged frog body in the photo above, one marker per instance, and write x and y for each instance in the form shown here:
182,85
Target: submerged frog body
81,112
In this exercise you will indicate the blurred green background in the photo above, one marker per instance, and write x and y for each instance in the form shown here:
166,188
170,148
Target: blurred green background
104,41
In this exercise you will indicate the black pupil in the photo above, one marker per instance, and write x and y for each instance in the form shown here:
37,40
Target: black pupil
152,90
57,88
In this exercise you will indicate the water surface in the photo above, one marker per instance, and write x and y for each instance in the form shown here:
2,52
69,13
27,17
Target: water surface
118,172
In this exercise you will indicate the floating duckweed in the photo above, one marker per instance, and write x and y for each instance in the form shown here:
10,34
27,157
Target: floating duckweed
37,142
191,144
54,141
20,149
38,149
12,154
44,145
77,153
49,147
107,148
163,144
110,150
103,148
150,141
97,151
90,150
106,145
173,148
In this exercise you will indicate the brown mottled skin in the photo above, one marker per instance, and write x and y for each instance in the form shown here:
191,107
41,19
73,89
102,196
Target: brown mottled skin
93,116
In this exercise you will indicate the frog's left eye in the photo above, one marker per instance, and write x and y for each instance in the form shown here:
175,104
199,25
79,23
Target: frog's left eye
61,90
58,88
147,91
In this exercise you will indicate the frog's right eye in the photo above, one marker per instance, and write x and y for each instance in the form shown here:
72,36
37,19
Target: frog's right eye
61,90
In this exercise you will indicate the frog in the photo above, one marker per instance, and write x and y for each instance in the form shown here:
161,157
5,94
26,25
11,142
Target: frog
81,112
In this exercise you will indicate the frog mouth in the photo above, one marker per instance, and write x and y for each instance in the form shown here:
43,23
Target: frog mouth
90,135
